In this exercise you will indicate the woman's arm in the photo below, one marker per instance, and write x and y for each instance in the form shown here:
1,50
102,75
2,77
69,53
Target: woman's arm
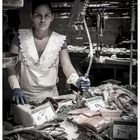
12,78
17,93
82,83
14,50
67,66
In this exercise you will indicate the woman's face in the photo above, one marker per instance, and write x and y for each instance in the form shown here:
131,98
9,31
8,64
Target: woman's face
42,17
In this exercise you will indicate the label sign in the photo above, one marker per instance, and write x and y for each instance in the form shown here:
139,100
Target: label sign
124,130
95,103
43,113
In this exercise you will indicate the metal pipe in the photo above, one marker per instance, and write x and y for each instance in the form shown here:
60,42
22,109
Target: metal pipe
89,39
91,48
131,43
131,62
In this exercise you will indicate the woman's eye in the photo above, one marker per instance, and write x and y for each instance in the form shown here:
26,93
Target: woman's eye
41,16
36,15
48,15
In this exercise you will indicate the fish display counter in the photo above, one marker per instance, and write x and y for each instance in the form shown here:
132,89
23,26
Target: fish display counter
102,113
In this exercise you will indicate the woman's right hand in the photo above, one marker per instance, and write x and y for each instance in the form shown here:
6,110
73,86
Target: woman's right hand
19,97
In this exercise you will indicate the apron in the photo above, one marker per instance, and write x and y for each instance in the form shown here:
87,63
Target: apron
38,76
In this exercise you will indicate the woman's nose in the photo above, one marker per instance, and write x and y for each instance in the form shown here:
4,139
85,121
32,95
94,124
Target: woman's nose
42,18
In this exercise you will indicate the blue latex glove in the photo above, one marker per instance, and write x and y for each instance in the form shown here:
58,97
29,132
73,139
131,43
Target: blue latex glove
19,97
83,84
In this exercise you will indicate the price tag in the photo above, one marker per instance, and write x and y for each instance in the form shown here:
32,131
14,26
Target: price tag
95,103
124,130
43,113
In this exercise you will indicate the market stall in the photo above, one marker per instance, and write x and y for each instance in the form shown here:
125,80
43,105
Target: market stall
108,110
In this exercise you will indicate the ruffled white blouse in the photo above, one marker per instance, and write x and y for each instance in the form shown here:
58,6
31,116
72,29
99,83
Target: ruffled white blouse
38,76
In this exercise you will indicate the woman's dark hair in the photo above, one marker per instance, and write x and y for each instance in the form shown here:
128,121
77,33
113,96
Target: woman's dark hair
37,3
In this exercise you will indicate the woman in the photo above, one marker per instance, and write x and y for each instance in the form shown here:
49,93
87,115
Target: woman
40,50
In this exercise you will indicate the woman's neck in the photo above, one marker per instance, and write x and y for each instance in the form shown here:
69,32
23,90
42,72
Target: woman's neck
41,34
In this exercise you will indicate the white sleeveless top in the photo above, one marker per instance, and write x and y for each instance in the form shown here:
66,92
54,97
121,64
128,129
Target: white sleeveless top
38,76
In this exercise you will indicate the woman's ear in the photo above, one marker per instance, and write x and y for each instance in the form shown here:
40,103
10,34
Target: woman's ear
52,17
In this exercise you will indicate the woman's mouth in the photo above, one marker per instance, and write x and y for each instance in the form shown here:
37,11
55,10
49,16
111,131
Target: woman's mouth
42,25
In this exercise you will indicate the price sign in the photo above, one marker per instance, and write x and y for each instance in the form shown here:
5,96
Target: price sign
124,130
43,113
95,103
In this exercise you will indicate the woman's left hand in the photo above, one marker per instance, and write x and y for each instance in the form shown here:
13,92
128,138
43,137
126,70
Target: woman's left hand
83,84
